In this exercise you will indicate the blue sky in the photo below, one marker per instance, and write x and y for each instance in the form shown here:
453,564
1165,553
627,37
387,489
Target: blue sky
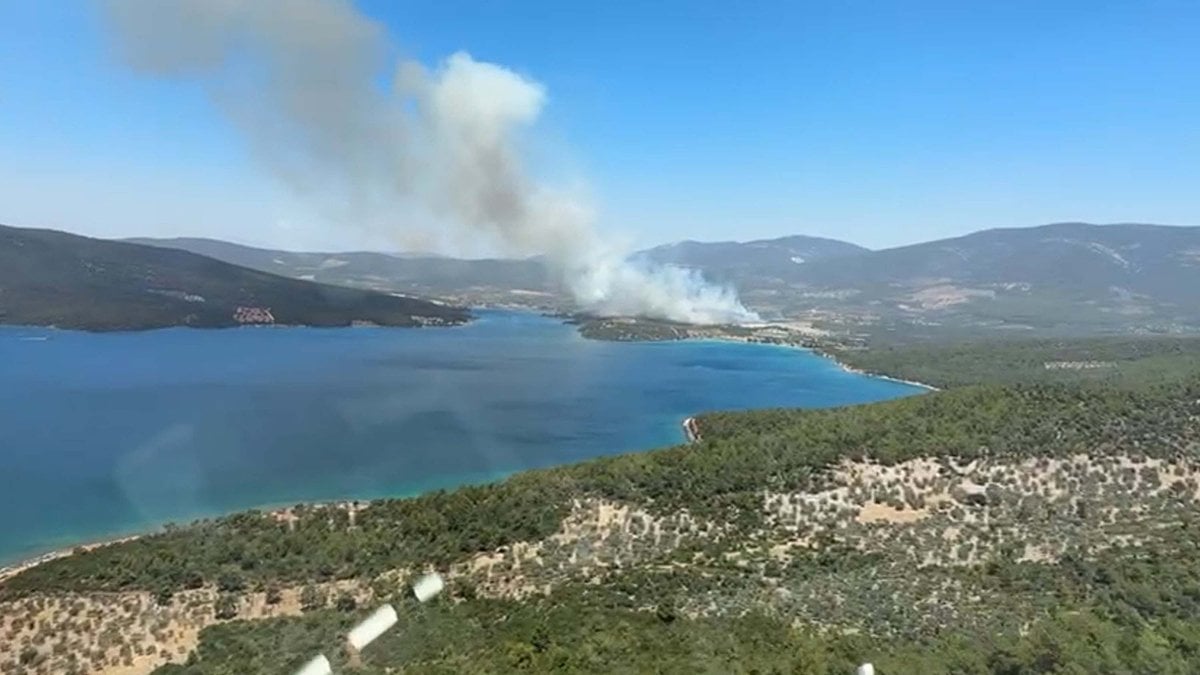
878,122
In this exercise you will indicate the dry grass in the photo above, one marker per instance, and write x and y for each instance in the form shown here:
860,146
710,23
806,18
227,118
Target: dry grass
943,512
126,633
596,536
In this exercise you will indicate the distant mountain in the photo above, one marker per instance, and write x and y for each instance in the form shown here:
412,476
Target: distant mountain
1065,278
738,261
524,282
1144,258
60,279
467,281
1062,276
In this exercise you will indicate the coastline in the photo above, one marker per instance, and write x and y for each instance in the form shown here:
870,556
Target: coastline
825,354
690,434
768,334
420,322
859,371
278,510
10,571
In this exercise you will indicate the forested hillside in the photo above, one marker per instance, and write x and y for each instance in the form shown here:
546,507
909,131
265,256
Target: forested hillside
987,528
50,278
1119,361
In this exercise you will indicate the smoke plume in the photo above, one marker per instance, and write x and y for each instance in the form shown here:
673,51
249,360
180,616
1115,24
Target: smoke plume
304,81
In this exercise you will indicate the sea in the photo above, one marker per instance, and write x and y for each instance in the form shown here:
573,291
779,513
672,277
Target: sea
107,434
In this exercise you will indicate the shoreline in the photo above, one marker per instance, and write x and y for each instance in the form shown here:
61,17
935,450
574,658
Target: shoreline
281,511
781,336
813,350
859,371
276,510
8,572
128,330
689,427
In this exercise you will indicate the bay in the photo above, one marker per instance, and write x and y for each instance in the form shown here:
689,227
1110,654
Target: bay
114,433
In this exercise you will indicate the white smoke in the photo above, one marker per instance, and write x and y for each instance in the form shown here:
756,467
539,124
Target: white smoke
301,79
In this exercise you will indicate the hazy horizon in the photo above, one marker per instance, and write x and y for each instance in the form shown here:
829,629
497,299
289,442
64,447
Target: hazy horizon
418,253
882,125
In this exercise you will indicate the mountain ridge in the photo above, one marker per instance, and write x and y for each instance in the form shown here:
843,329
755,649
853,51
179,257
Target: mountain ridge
459,281
1095,278
1060,278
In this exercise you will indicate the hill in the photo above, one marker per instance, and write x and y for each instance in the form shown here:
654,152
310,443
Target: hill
59,279
1061,278
1066,279
1113,360
468,282
1045,526
743,262
438,274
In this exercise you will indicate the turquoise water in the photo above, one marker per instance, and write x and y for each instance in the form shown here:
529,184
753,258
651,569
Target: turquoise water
104,434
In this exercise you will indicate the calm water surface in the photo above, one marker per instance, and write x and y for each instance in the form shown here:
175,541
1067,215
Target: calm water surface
102,434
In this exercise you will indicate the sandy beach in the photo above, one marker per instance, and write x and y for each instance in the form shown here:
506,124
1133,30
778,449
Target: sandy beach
13,570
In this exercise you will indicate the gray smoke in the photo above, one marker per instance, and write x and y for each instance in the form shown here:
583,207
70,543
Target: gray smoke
302,80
